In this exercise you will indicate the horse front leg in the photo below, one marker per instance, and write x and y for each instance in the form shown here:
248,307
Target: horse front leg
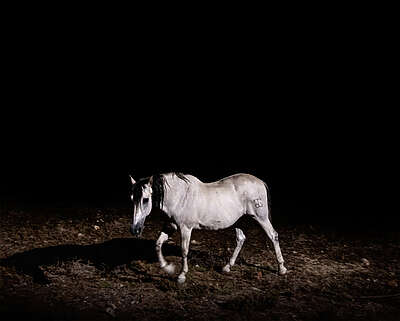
167,267
185,241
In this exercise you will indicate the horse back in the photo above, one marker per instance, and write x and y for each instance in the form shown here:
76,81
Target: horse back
245,190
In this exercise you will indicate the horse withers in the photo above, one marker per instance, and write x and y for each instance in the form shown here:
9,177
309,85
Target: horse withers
191,204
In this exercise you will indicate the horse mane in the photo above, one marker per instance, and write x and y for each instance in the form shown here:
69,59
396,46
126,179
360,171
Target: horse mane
157,183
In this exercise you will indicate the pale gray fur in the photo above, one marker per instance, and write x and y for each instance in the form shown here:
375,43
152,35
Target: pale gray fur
192,204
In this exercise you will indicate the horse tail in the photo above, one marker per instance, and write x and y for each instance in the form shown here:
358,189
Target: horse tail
268,201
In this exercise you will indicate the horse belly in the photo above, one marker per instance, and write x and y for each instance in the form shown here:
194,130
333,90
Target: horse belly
215,218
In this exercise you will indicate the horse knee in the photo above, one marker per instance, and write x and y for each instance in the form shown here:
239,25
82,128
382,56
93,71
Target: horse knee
162,238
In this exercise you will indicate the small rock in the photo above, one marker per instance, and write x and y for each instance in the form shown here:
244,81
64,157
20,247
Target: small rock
194,242
80,235
364,262
96,227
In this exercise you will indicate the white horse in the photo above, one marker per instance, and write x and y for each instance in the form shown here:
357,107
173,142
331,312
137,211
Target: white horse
191,204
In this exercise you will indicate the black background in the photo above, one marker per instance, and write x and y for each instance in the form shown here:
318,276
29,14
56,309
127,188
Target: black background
301,106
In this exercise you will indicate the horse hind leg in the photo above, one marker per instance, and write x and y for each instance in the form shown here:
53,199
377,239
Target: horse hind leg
265,223
240,238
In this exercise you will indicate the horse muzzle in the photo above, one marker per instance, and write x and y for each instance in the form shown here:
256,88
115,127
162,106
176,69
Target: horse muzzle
136,230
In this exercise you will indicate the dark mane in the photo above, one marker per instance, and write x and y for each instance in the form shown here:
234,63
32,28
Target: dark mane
181,176
157,182
158,186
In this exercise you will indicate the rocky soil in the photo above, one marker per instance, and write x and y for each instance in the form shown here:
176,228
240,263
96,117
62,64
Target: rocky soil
82,264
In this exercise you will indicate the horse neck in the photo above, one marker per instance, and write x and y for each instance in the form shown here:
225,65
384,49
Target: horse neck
174,192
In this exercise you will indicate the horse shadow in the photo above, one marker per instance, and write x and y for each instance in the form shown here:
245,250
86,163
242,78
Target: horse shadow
105,256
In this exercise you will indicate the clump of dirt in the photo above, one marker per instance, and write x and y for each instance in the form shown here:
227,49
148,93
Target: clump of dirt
82,263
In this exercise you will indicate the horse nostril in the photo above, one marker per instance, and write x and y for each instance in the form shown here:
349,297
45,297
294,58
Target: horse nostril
135,230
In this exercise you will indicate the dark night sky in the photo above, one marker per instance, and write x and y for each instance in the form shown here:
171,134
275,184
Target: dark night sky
77,119
313,169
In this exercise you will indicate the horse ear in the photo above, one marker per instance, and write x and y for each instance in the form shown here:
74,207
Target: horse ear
132,180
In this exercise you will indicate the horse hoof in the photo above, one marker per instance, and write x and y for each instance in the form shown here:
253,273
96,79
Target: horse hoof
181,279
169,268
226,268
282,270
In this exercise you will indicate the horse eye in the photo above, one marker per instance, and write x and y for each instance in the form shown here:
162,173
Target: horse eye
145,200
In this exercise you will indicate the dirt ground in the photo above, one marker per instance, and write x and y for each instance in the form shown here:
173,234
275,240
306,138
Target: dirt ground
82,264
